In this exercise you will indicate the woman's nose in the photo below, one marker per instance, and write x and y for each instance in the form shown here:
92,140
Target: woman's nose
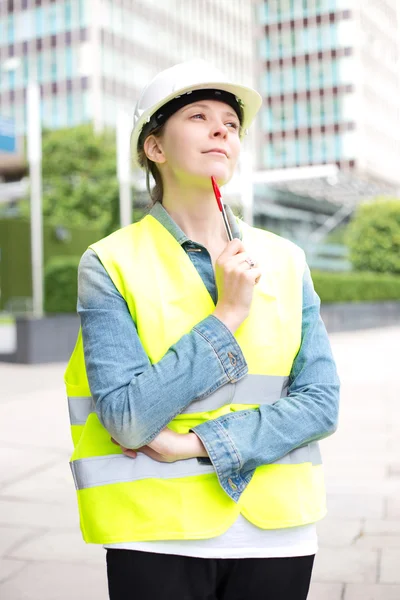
220,130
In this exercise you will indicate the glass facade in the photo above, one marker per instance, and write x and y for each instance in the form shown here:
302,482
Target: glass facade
307,69
275,11
49,65
302,152
113,53
42,21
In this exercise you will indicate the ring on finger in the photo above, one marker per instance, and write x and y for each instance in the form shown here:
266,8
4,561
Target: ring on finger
250,261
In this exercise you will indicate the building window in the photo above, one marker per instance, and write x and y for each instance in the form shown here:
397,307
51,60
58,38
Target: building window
310,149
25,67
67,14
53,66
10,29
39,22
52,19
11,80
70,110
68,63
39,67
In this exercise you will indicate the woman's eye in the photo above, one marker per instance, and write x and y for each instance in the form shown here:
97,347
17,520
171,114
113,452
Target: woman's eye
233,124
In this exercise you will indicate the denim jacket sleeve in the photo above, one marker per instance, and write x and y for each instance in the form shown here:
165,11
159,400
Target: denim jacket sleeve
239,442
135,399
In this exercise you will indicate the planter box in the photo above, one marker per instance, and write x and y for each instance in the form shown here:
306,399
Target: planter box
46,340
348,316
52,339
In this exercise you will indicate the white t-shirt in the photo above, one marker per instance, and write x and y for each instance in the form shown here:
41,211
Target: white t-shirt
241,540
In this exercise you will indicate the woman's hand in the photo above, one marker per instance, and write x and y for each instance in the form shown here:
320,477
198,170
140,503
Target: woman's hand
235,281
169,446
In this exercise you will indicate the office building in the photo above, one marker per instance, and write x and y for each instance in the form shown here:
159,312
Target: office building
93,56
330,73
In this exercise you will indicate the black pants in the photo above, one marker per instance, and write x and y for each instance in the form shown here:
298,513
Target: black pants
134,575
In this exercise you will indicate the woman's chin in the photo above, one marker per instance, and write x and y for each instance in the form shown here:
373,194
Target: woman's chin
221,173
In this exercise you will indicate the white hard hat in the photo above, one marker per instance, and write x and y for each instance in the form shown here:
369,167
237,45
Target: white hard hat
183,79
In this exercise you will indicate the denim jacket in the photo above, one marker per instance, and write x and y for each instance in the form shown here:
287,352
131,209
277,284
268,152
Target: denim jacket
135,400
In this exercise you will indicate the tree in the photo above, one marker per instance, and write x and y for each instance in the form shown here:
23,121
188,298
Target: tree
373,236
80,184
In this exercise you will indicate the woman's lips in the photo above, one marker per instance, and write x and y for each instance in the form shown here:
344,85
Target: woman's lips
217,152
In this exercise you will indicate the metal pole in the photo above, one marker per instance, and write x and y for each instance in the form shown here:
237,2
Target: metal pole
123,168
34,143
246,185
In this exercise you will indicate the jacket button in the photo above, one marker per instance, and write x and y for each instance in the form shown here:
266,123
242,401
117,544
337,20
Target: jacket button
232,485
232,359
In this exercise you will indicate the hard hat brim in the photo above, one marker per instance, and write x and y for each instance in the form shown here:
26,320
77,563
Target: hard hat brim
250,101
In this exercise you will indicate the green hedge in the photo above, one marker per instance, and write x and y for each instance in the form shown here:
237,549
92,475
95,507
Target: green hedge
373,237
356,286
61,284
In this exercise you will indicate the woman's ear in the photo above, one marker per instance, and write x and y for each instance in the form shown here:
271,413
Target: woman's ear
153,149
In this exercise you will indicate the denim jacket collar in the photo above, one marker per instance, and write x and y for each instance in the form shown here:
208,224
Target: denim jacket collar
158,212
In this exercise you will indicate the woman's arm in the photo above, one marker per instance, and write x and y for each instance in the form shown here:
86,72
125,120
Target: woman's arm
134,399
239,442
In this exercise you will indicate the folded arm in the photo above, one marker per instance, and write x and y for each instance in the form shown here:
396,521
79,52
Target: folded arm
239,442
135,399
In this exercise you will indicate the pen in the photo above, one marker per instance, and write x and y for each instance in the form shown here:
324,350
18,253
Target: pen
221,208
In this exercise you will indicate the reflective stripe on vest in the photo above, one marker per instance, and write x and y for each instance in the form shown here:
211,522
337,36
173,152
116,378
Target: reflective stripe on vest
103,470
266,388
79,408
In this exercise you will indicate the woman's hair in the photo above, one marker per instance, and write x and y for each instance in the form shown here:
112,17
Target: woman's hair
150,167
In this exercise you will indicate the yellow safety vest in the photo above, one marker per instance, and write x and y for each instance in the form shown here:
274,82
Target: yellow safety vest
122,499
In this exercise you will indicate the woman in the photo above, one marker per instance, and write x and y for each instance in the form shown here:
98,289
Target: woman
202,377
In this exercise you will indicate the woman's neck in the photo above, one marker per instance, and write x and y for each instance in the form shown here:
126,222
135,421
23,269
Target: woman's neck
198,216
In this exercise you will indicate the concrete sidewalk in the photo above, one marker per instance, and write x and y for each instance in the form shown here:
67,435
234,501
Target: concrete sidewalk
42,556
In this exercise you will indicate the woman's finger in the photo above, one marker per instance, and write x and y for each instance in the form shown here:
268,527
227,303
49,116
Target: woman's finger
129,453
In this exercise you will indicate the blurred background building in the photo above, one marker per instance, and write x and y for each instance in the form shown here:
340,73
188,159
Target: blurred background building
329,72
92,55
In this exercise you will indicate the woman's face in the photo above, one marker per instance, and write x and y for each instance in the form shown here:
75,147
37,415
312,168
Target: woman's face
200,140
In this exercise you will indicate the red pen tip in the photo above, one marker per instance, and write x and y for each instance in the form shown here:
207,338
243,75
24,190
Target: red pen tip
216,192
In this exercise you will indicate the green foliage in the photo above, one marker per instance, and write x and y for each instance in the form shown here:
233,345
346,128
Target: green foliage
61,284
374,237
337,236
356,287
80,184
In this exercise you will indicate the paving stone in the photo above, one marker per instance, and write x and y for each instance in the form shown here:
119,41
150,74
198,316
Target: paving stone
393,508
390,566
16,463
41,408
54,484
9,568
374,542
12,536
356,506
336,471
357,591
64,546
325,591
38,514
381,527
346,565
394,468
337,532
56,581
17,381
